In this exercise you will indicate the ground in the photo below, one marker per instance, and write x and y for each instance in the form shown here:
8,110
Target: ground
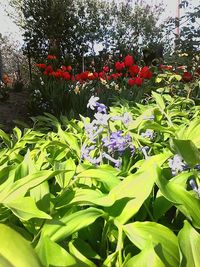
14,108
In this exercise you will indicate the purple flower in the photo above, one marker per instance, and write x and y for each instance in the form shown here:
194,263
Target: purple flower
117,162
101,108
148,134
85,154
92,103
176,164
127,118
85,151
101,119
117,142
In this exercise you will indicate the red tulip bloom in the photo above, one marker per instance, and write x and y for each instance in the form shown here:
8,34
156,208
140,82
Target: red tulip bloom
187,76
66,76
51,57
78,77
198,70
102,75
84,75
48,69
69,68
134,70
41,65
128,61
131,82
106,69
138,81
145,73
119,65
64,68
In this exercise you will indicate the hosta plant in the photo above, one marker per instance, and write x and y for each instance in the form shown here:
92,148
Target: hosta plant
120,188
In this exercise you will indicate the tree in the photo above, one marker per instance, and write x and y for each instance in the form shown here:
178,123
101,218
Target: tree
72,28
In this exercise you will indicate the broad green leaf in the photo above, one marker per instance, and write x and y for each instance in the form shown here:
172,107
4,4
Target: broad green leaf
64,178
84,197
107,178
84,261
146,258
159,100
164,241
188,151
15,250
20,187
41,195
60,229
25,208
189,243
181,198
158,159
70,139
130,194
191,132
157,127
52,254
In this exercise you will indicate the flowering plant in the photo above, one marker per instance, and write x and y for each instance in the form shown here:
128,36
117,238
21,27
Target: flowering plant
89,189
118,79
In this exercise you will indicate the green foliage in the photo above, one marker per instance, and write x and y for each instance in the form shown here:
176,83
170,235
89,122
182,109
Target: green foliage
70,29
77,213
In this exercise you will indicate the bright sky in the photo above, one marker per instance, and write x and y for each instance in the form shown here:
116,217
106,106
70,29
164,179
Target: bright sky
7,27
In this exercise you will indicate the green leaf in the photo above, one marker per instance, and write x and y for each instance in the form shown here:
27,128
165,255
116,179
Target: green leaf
84,261
106,177
189,242
188,151
20,187
70,139
163,239
161,205
51,254
15,251
181,198
191,132
6,139
64,178
146,258
130,194
25,208
110,261
158,80
159,100
81,196
59,229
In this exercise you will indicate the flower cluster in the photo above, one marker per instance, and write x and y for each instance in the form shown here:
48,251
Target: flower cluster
127,70
104,144
176,164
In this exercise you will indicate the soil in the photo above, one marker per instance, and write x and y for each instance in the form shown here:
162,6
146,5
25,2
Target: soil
14,108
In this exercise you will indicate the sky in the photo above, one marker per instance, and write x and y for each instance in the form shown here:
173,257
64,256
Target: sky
7,27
